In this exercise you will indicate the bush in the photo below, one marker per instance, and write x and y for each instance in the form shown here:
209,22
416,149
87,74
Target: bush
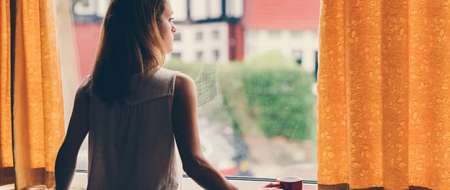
282,100
267,94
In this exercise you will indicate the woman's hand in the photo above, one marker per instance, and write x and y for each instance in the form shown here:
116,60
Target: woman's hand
273,186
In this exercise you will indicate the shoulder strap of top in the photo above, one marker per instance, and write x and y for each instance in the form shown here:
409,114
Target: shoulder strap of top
145,87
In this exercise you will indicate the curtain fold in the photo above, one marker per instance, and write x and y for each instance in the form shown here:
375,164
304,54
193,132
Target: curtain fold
6,151
384,104
38,123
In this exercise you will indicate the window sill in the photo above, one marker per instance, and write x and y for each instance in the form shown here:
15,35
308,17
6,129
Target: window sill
80,181
7,187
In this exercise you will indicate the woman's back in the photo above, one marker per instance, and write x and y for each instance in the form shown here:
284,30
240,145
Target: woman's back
131,144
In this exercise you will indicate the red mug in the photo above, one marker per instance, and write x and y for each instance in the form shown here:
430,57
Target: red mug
291,183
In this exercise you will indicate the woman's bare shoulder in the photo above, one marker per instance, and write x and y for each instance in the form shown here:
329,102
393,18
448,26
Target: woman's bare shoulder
184,84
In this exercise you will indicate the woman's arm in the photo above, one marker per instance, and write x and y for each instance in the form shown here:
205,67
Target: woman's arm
187,137
77,131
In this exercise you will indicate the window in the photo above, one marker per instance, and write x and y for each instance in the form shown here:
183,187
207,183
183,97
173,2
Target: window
274,33
176,55
199,36
253,34
235,8
216,54
244,109
205,9
177,37
296,34
216,34
199,55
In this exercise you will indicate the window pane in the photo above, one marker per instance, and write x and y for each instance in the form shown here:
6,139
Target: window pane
179,8
256,108
177,37
204,9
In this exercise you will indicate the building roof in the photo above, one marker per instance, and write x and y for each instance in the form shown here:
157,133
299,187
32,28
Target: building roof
281,14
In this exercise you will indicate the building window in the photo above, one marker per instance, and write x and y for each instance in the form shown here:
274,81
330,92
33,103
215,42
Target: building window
254,34
177,37
296,34
176,55
274,33
216,34
216,54
199,55
199,36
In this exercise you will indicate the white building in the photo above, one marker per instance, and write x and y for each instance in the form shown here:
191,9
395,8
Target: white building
207,30
202,42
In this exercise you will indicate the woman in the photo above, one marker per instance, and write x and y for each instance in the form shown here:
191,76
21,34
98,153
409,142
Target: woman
134,110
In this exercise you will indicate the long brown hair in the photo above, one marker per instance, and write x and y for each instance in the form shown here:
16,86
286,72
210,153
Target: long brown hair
130,44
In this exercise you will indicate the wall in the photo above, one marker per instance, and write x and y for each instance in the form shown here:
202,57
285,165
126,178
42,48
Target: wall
258,41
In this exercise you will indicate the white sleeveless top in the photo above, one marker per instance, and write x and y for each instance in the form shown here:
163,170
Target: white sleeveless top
131,145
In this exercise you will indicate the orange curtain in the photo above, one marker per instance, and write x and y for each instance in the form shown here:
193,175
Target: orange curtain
38,124
384,94
6,151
